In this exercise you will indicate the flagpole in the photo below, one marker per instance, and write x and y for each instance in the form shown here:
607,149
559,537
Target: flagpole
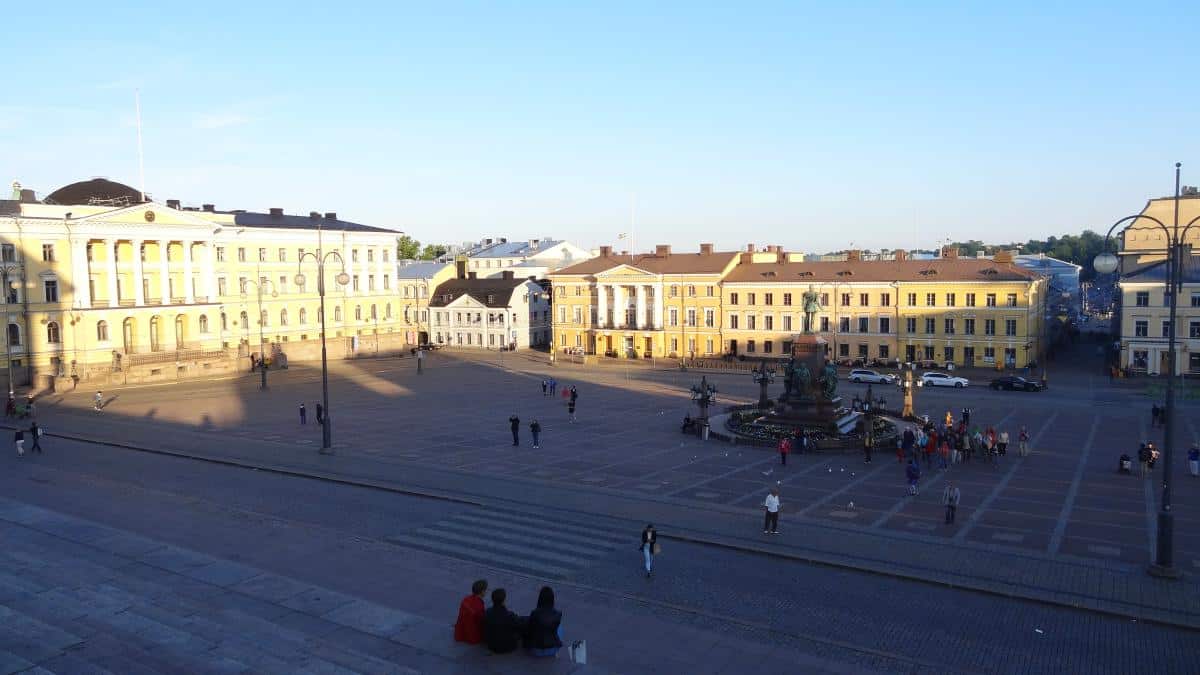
632,205
137,104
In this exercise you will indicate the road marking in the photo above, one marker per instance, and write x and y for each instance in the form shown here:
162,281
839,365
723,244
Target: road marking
1151,506
843,514
845,488
1008,537
977,514
1060,527
1105,550
921,525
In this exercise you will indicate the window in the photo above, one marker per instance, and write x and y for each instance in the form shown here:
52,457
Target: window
1195,299
768,346
991,299
769,299
750,298
691,291
708,344
949,327
883,352
989,326
862,350
578,291
354,283
370,255
47,252
353,255
931,299
673,317
283,317
14,335
787,322
50,287
8,253
370,282
845,299
102,331
220,253
262,255
733,321
386,282
864,299
929,352
912,299
930,326
751,322
358,312
222,286
969,326
374,314
843,349
282,255
674,292
864,324
885,324
910,324
824,324
562,313
824,299
844,325
53,335
750,346
241,254
949,354
1166,329
691,316
281,287
203,323
709,318
1194,329
1012,299
885,299
950,299
769,322
1142,299
1010,327
989,353
787,299
578,315
337,313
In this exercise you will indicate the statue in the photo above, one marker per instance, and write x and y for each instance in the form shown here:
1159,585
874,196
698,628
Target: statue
812,304
829,380
802,378
789,372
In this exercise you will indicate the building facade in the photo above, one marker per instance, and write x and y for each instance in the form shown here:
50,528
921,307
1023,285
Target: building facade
536,258
493,313
1064,289
414,282
107,282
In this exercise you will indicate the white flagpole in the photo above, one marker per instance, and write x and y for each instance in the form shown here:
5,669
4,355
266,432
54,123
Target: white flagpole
632,205
137,103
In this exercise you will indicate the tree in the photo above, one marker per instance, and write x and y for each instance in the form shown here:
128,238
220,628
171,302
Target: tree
407,248
433,251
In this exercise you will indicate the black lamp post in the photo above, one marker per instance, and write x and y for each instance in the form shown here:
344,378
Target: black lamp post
262,350
704,394
1106,263
763,377
320,257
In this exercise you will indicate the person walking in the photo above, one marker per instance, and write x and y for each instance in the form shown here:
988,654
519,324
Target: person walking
649,547
966,416
97,401
913,473
1002,443
571,409
771,507
906,444
19,439
303,415
1144,461
35,432
320,414
1023,441
950,499
785,446
545,387
1154,411
1194,460
553,386
868,446
514,423
535,430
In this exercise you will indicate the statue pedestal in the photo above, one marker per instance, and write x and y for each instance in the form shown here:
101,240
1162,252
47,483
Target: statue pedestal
808,407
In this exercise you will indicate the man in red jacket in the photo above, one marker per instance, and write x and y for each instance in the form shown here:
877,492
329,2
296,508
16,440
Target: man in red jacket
469,627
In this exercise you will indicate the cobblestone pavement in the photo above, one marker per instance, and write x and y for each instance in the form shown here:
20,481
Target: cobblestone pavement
134,562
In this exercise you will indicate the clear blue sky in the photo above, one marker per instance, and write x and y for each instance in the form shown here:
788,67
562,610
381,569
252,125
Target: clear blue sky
812,126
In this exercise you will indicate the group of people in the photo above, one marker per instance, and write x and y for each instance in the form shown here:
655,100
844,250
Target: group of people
13,411
549,387
952,442
320,414
799,441
503,630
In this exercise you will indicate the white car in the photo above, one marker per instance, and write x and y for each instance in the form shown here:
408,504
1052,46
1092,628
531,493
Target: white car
943,380
862,375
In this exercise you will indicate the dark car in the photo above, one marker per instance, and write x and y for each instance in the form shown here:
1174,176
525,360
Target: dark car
1014,383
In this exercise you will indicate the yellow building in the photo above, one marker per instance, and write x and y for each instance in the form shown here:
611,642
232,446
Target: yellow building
101,281
964,311
659,304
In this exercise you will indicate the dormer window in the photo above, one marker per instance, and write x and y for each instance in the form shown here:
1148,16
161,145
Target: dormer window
845,273
804,274
928,272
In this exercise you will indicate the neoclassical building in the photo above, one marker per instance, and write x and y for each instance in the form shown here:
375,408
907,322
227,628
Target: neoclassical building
101,280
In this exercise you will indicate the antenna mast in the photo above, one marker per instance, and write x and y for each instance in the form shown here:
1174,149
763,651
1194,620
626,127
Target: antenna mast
137,104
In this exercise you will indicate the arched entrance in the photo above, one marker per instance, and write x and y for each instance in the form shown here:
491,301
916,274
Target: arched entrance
129,335
180,330
155,334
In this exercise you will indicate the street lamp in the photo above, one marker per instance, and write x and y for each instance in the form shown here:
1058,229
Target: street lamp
320,257
1107,263
704,394
763,377
262,350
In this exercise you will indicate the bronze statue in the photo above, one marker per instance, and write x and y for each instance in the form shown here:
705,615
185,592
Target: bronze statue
829,379
812,305
802,381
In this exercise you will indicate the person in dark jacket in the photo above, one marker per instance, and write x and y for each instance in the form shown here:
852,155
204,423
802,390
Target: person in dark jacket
35,432
501,628
514,423
535,430
543,631
649,539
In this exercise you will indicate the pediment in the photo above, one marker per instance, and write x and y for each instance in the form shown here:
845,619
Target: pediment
625,271
150,214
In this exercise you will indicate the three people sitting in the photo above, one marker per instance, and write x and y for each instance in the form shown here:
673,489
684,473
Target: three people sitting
502,629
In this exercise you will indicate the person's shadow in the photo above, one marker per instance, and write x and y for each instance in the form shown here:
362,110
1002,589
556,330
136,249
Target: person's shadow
104,403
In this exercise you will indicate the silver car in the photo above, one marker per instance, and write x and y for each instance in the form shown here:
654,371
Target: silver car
863,375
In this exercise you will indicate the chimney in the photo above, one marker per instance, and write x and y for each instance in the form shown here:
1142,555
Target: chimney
314,215
662,250
854,255
208,207
460,267
503,240
1003,256
706,249
749,248
487,242
901,255
330,215
173,204
506,274
605,251
533,243
276,212
624,252
780,256
950,252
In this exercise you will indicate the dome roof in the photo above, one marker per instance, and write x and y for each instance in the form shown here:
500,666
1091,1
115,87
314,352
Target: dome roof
100,191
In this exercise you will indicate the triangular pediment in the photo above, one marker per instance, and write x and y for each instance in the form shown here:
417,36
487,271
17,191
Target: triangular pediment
149,214
465,301
624,271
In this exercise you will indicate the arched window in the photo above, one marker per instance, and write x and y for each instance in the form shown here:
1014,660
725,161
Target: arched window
303,316
358,312
266,321
14,335
224,321
373,315
203,323
245,319
155,334
53,335
283,317
102,331
387,311
337,313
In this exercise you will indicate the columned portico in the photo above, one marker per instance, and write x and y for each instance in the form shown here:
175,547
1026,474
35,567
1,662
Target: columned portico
164,273
640,314
602,303
139,283
189,293
658,307
110,252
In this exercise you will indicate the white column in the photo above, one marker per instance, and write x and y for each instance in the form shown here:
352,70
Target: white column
110,250
602,305
139,296
640,318
164,272
83,291
188,293
208,269
658,307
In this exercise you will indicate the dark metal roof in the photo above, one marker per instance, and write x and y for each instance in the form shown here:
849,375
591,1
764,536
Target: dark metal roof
100,191
500,290
300,222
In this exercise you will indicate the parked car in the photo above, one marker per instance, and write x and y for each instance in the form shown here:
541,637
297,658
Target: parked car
943,380
862,375
1015,383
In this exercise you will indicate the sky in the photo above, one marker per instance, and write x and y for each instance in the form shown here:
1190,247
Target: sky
816,126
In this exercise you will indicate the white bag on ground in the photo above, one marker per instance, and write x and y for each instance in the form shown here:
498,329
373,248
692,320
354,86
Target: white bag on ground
578,651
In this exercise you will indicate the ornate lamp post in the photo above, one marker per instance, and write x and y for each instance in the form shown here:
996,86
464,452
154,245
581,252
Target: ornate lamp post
763,377
1106,263
704,394
262,350
320,257
907,385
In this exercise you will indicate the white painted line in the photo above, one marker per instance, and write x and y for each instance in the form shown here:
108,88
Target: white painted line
1064,514
1009,537
1105,550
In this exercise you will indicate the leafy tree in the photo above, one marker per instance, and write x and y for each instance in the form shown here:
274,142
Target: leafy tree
432,251
407,248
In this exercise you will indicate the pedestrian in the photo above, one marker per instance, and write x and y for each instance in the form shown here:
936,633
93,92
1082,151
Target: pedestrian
469,626
1154,454
950,498
29,409
966,416
868,446
1002,443
1154,415
97,401
908,441
574,393
535,430
1023,441
785,446
930,446
502,628
545,387
649,547
771,508
944,452
543,629
253,362
553,386
949,419
303,415
35,432
514,423
1144,461
1194,460
19,438
320,414
913,473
